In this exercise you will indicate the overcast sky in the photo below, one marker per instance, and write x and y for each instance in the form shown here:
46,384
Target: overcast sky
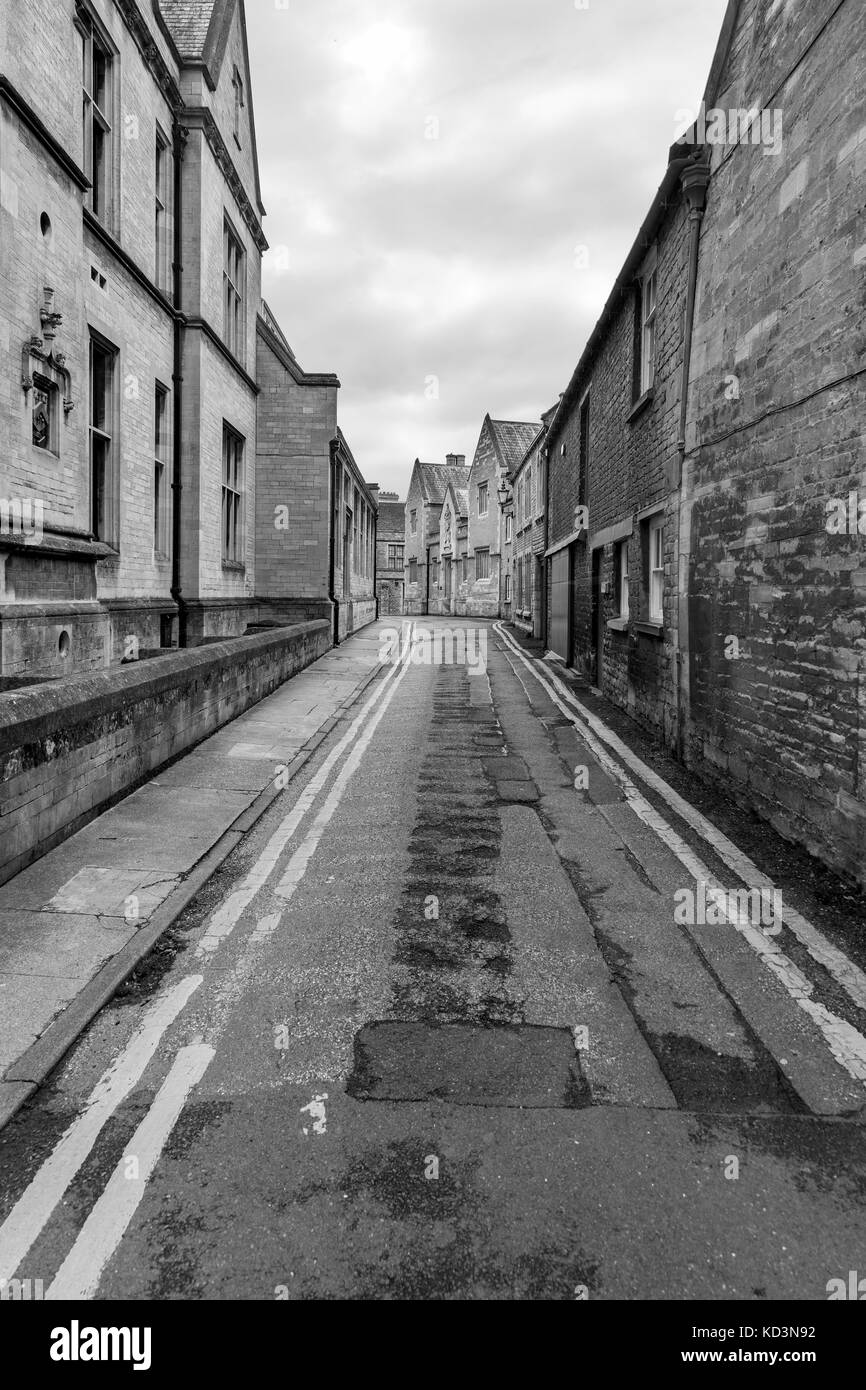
430,170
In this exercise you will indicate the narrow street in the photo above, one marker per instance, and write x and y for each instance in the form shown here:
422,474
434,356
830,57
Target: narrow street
432,1032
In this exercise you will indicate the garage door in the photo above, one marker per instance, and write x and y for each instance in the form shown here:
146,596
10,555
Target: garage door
560,603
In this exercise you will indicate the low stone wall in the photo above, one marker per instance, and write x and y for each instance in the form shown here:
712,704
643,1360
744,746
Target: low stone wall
70,749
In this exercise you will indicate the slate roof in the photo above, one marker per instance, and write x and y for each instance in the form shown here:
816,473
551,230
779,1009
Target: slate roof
461,501
514,438
435,477
188,22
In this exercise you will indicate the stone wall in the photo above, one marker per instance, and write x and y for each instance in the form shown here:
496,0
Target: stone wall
69,750
776,617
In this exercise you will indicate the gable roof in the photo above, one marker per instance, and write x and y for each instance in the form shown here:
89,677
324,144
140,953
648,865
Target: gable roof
511,439
433,479
460,498
199,30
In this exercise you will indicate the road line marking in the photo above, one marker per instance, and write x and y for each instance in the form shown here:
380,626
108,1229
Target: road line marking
847,1045
297,865
79,1275
229,913
843,970
37,1203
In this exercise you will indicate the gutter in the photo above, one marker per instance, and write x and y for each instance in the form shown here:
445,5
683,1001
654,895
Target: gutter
179,141
332,497
695,181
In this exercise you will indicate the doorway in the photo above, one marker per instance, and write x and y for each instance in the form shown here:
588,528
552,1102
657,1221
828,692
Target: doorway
597,616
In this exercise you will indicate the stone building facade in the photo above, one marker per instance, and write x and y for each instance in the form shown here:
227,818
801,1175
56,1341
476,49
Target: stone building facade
296,422
424,500
525,562
705,465
452,549
127,381
130,263
501,446
390,546
353,552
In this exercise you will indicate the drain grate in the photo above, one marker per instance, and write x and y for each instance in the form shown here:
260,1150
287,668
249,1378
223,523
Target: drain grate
524,1066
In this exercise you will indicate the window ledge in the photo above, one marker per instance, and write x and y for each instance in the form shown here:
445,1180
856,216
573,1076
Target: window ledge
236,566
617,624
650,629
640,406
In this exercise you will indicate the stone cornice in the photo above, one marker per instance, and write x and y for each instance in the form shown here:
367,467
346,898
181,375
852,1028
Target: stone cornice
200,118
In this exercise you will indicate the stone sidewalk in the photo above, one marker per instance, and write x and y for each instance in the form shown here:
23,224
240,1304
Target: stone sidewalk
102,897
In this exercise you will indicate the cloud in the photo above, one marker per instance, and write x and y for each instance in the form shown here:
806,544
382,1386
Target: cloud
429,171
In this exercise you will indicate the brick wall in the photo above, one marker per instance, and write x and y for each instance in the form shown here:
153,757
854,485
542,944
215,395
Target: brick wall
776,433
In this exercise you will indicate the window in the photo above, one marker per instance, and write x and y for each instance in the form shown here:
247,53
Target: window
434,574
518,579
413,571
527,581
413,523
233,291
101,441
621,577
652,582
482,499
648,331
162,185
97,71
530,494
464,568
482,564
509,527
508,588
160,471
44,432
395,557
233,496
238,88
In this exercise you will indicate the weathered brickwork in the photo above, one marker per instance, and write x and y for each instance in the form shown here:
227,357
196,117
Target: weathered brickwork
776,614
627,452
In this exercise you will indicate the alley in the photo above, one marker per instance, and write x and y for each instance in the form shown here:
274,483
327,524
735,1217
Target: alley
433,1031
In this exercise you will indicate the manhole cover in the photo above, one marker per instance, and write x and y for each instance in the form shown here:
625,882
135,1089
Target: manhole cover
524,1065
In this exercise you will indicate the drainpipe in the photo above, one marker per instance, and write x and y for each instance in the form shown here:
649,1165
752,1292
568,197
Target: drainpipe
694,179
179,143
332,522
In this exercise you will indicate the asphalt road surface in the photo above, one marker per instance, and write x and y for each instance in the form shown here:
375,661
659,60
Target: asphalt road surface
433,1032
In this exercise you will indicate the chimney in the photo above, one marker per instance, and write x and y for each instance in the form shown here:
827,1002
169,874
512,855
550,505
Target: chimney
455,460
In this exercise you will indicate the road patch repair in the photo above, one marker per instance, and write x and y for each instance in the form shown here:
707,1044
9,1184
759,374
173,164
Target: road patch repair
524,1065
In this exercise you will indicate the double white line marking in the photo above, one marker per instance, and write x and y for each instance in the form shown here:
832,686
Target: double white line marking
845,1042
79,1275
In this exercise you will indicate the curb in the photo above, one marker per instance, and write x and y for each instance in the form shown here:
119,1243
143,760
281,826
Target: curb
27,1074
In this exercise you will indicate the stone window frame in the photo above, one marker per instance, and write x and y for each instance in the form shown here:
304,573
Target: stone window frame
234,290
647,336
109,433
232,508
483,551
161,472
102,196
484,494
162,178
621,578
652,523
239,104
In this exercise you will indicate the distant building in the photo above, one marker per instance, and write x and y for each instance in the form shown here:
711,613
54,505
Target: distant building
502,445
390,547
525,518
424,501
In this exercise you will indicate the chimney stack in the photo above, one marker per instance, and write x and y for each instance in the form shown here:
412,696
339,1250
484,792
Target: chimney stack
455,460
